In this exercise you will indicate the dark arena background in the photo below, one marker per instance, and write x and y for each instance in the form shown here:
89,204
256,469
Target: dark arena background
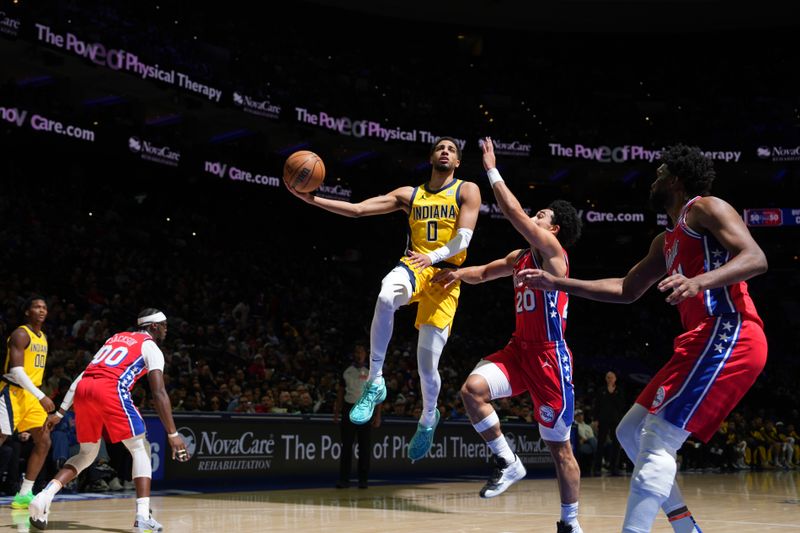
141,157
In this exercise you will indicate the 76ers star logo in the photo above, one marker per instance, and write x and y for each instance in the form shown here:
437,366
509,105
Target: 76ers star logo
659,399
547,413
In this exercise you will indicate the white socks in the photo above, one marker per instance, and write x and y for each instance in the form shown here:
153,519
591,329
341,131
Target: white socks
429,349
50,491
500,448
143,507
569,515
26,486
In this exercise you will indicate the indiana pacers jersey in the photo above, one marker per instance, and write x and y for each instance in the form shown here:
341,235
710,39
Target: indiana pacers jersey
34,357
432,218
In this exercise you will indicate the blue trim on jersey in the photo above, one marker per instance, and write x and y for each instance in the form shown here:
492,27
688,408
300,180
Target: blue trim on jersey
126,381
554,331
717,301
413,197
411,276
458,194
445,187
552,323
689,231
682,406
567,392
682,219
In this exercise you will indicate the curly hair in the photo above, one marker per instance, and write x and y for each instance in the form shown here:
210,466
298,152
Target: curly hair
566,217
694,169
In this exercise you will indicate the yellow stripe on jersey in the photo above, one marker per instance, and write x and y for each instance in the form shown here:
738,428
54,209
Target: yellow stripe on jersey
433,217
34,356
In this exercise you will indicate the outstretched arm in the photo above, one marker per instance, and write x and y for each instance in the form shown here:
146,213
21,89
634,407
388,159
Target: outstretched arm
473,275
397,200
724,223
615,290
538,237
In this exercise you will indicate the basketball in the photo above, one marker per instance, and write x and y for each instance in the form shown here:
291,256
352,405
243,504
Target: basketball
304,171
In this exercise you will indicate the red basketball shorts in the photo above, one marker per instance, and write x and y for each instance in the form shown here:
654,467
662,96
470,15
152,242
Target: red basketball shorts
544,369
101,404
711,369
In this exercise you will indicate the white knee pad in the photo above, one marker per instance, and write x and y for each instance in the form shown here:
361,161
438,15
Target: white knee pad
499,386
629,430
85,456
655,464
140,452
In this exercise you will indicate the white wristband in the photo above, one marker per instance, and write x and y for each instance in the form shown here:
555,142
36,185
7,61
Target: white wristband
173,434
58,414
494,176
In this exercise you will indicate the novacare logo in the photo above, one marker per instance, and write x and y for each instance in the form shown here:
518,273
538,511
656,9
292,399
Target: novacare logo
246,444
257,107
511,148
335,191
779,153
189,438
149,151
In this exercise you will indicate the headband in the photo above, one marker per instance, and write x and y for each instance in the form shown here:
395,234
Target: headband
151,319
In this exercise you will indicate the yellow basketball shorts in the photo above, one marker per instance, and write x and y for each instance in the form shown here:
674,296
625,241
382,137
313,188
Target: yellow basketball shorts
19,410
436,305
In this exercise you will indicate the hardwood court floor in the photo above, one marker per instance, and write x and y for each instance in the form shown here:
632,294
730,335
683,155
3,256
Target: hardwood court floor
739,503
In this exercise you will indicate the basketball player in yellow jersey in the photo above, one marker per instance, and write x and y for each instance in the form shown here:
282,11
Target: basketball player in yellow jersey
23,407
441,214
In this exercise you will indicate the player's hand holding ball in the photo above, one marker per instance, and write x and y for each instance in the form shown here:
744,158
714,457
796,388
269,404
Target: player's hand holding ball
303,173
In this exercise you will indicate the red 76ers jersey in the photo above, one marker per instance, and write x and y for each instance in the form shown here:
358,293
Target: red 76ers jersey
121,359
541,315
690,253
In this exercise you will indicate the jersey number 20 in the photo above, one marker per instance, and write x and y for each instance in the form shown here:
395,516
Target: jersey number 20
526,301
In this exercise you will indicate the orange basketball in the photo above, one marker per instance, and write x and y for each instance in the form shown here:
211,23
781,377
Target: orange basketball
304,171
